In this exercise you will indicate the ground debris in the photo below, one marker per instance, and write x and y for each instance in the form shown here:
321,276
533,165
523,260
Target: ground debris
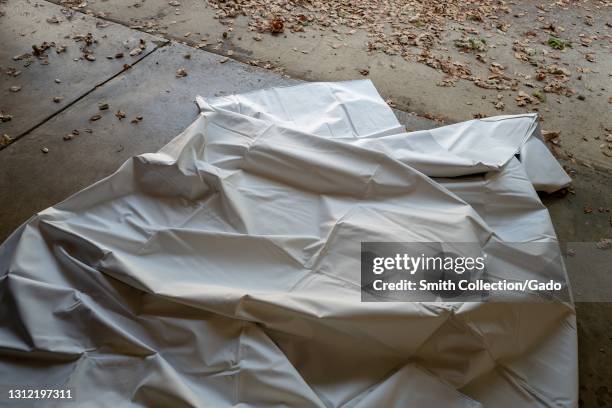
276,25
86,41
6,140
181,72
12,71
558,43
53,20
38,50
5,117
142,45
421,30
471,44
538,94
604,243
552,137
523,98
136,51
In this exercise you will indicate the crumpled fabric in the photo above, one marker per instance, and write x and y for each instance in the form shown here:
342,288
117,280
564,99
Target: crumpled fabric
224,270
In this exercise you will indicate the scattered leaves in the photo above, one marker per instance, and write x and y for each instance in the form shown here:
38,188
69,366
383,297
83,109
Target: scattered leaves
523,99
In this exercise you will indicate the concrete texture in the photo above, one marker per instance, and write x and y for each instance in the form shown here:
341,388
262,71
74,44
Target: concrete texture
31,180
330,54
29,25
572,224
150,90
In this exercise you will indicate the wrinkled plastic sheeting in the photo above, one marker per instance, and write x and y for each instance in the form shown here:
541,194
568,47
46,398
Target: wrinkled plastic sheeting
224,269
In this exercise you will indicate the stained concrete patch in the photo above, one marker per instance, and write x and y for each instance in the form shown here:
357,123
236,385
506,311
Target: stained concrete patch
29,84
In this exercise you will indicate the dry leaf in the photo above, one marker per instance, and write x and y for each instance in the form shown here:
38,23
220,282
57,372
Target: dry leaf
277,25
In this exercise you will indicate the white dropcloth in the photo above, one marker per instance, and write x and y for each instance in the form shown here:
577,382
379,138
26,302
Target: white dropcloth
225,268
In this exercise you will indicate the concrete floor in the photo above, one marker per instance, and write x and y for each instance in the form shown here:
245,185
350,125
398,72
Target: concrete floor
31,180
312,55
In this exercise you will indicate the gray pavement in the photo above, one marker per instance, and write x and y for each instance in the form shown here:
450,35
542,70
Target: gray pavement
31,180
65,75
339,52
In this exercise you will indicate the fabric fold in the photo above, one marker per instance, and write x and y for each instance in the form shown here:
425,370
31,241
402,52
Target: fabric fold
224,269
